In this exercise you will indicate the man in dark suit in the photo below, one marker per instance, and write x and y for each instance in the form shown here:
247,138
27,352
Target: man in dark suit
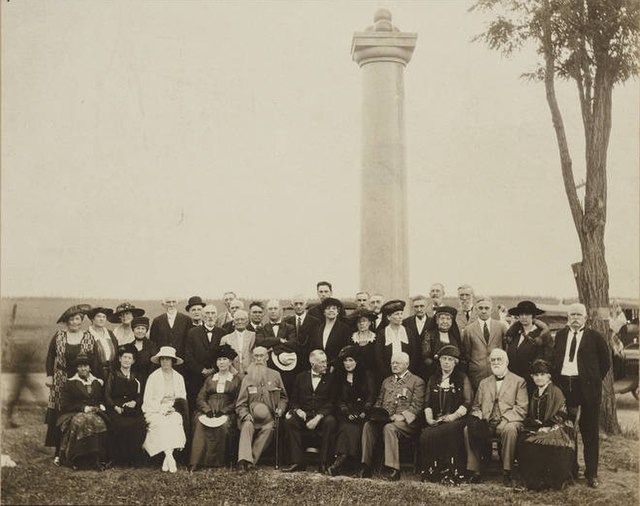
376,302
275,331
170,328
303,322
201,347
436,292
416,324
256,314
234,305
332,334
311,410
324,290
194,308
581,361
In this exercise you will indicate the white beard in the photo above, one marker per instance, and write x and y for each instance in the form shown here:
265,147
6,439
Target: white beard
499,370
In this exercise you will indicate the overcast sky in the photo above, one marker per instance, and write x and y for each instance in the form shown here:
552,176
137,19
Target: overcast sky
154,148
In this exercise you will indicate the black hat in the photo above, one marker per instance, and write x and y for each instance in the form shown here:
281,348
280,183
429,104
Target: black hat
525,307
97,310
539,366
82,359
449,350
379,415
351,350
194,301
82,309
392,306
226,351
123,308
128,348
364,313
452,311
330,301
140,321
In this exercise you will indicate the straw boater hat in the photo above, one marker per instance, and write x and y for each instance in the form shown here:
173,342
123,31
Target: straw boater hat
166,352
123,308
525,307
284,352
213,422
97,310
194,301
82,309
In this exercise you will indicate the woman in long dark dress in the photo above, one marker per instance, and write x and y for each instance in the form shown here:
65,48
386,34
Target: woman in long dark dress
64,347
354,389
82,420
215,436
527,340
546,446
123,399
448,399
364,337
442,330
145,349
106,342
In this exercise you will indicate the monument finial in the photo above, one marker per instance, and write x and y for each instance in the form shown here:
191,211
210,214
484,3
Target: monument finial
382,22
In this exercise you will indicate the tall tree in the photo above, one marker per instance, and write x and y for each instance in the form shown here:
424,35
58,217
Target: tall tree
593,43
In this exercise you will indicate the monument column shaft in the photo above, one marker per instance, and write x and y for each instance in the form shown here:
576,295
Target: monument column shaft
383,251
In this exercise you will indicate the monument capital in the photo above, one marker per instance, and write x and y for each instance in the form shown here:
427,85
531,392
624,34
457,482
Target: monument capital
382,42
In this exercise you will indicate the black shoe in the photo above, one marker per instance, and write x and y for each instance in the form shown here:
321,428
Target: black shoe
243,466
365,472
294,468
506,479
475,477
394,475
593,482
336,467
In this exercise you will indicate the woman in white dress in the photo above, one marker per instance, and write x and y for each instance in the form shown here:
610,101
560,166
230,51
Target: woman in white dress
164,391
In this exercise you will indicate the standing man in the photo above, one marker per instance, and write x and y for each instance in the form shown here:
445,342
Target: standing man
234,305
402,398
581,361
417,323
479,339
362,301
377,301
241,340
170,328
194,308
302,320
436,292
256,313
467,313
332,334
202,345
226,316
324,289
262,398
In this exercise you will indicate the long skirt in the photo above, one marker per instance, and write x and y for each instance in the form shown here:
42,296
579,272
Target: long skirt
546,458
126,436
83,435
442,450
213,447
52,437
164,432
349,438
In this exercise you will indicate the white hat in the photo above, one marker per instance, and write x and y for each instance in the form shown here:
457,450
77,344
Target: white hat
290,357
166,352
213,422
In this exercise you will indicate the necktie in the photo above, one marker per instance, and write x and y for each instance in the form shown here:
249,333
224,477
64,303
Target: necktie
572,348
466,312
485,332
298,325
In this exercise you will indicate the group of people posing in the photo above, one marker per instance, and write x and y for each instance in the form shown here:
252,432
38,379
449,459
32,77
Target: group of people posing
451,382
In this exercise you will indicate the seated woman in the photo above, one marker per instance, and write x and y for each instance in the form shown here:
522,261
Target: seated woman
165,395
123,398
365,337
215,432
82,420
546,446
448,398
356,394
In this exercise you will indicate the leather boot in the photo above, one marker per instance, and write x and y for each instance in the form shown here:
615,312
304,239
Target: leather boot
336,467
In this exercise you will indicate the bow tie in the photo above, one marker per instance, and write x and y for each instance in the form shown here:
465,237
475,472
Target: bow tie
316,375
499,378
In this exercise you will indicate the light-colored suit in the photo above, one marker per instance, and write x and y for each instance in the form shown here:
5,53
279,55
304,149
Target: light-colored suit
242,361
476,350
513,403
461,317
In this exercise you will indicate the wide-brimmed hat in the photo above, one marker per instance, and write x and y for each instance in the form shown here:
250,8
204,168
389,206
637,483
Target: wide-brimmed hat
363,313
82,309
128,348
82,359
284,356
213,422
194,301
260,412
449,350
140,321
540,366
123,308
166,352
351,350
331,301
525,307
91,314
451,311
392,306
226,351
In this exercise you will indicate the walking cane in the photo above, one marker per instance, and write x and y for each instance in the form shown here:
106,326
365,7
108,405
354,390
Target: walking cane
276,426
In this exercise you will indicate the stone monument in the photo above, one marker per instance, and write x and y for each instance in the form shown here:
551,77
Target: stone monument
382,52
